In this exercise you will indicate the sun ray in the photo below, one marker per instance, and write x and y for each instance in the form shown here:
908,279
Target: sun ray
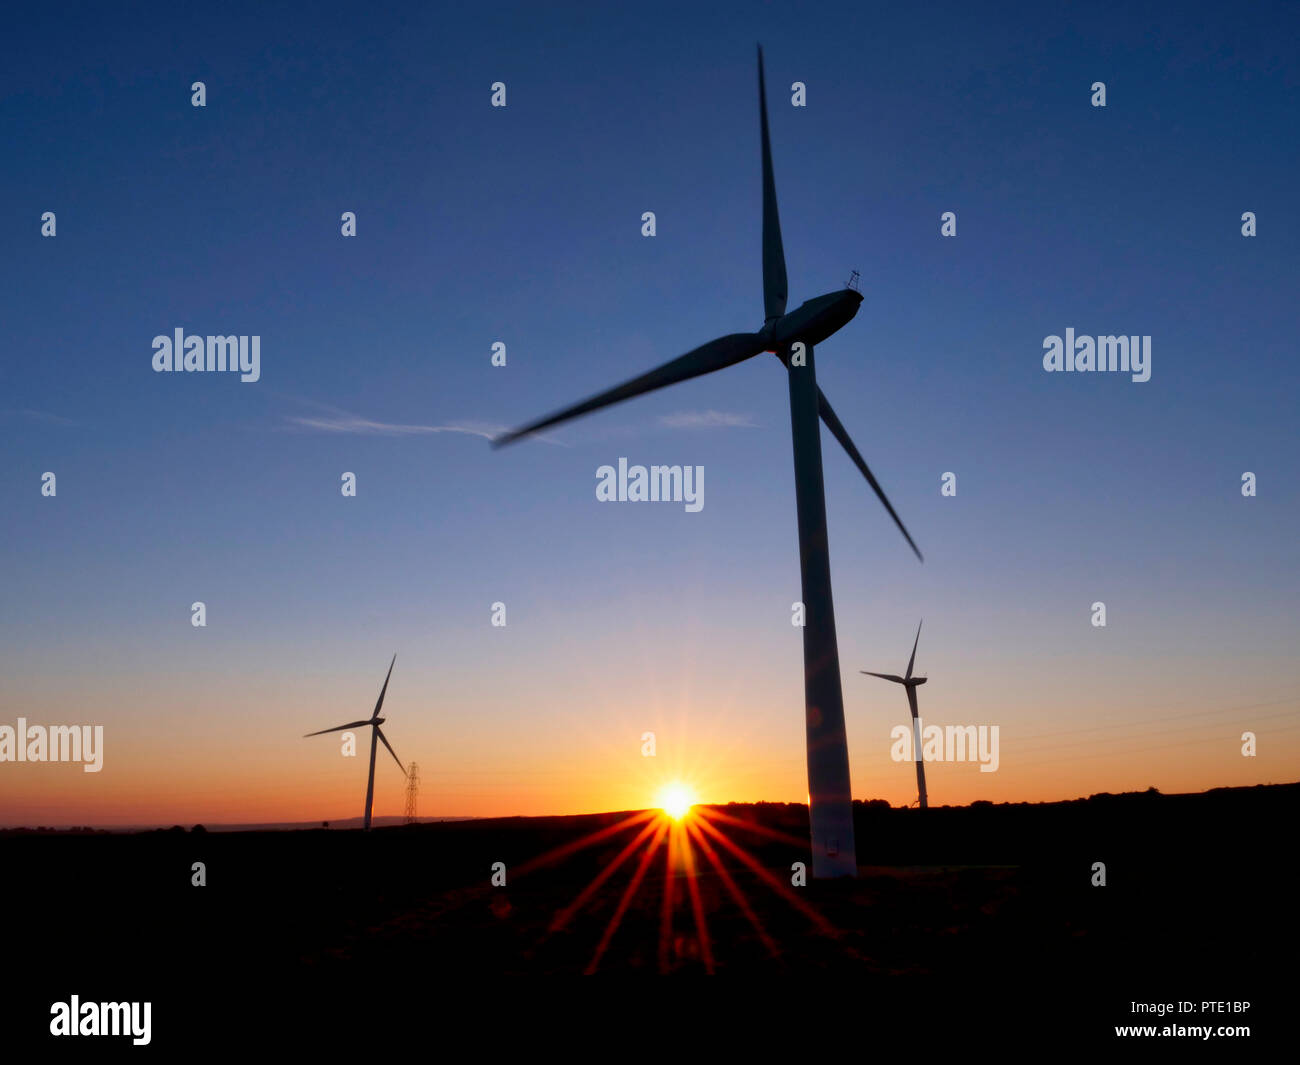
772,882
669,900
697,906
588,840
679,826
565,915
715,814
628,893
734,889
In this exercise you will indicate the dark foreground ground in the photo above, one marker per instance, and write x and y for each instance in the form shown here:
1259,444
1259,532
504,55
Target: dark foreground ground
989,904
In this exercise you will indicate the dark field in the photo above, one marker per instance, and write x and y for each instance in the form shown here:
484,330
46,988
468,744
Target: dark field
960,904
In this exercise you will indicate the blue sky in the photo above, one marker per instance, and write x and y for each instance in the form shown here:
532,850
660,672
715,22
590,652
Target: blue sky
522,225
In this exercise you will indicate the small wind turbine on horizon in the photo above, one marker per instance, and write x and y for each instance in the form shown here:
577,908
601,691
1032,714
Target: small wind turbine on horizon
374,721
791,338
911,683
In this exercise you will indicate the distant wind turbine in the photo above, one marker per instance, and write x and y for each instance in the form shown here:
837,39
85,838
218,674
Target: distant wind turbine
374,721
791,338
911,683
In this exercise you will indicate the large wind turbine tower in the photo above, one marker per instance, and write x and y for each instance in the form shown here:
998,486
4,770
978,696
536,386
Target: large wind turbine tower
791,338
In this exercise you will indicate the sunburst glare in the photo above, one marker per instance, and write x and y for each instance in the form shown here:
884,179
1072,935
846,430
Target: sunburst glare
676,800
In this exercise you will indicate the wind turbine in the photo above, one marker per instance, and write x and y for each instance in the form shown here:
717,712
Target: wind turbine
374,721
791,337
911,683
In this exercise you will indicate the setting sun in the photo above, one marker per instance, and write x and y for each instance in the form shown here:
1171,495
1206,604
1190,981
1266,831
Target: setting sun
676,800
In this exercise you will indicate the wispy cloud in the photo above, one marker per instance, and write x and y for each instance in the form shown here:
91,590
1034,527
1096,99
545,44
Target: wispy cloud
707,419
351,423
333,420
39,416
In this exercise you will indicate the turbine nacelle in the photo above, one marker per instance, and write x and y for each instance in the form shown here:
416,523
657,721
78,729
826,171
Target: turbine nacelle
814,320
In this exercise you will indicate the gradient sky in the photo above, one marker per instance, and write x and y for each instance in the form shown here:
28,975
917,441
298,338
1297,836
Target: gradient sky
522,225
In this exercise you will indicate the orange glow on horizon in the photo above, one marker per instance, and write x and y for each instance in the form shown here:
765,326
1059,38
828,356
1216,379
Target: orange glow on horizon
240,772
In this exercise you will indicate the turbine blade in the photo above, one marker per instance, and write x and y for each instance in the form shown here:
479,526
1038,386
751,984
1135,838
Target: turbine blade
883,676
384,689
715,355
837,430
775,285
390,749
912,660
337,728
